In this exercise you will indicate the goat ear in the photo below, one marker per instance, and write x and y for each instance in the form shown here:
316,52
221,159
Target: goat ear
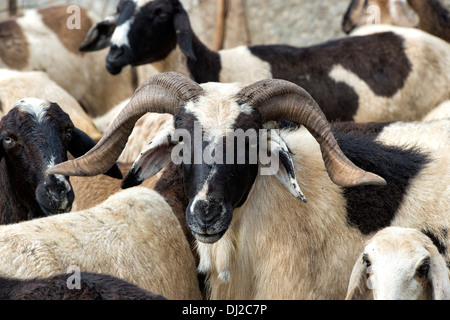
152,159
100,35
439,277
357,287
183,30
82,143
281,164
402,14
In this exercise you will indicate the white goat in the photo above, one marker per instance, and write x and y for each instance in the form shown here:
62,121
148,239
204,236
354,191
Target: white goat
400,264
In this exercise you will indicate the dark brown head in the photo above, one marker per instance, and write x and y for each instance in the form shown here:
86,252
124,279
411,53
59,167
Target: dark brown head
35,135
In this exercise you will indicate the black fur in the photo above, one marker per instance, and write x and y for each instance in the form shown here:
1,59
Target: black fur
371,208
24,185
440,245
93,286
207,65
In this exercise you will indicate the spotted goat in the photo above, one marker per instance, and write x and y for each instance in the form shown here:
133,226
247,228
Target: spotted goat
384,76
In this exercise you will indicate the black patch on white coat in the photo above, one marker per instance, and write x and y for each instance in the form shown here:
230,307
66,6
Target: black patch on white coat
378,59
440,245
371,208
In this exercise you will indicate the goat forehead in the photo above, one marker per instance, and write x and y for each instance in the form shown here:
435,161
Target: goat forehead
217,108
37,108
400,253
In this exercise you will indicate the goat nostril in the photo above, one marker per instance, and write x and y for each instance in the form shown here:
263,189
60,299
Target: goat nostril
117,52
58,193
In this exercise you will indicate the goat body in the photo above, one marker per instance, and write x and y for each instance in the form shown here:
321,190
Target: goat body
133,235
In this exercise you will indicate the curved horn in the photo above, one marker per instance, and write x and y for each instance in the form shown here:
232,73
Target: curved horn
282,100
162,93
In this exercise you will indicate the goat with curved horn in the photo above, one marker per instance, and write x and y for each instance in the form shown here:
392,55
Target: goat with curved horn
275,99
278,100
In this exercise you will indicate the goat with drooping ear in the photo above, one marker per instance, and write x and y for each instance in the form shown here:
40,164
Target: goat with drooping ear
361,78
35,135
400,264
247,224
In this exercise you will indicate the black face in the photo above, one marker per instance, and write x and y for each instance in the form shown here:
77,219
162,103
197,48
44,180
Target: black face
31,142
143,34
215,189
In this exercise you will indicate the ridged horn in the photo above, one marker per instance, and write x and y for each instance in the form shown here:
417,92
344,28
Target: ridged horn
282,100
162,93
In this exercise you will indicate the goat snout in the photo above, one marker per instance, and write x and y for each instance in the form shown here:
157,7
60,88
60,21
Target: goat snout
117,58
55,195
209,218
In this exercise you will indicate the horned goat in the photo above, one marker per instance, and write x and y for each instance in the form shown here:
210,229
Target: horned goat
40,39
18,84
34,135
428,15
379,77
400,264
133,235
89,286
255,240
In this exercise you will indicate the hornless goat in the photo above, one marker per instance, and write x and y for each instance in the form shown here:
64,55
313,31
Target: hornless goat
384,76
400,264
35,135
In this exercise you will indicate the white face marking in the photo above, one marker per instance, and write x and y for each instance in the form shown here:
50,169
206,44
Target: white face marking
140,3
201,195
37,108
120,35
216,110
60,177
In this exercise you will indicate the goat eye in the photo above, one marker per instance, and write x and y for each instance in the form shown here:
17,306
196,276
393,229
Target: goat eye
69,132
366,260
422,271
160,13
8,141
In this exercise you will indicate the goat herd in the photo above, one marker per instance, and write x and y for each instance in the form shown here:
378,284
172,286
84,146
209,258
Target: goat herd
343,192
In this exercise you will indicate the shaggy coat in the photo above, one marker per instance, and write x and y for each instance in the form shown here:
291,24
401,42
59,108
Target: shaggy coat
133,235
40,40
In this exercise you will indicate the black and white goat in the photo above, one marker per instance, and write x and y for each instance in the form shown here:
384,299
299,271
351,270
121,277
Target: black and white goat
384,76
35,135
255,240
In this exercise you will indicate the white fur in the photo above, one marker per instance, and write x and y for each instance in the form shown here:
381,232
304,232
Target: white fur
37,108
84,76
133,235
394,255
19,84
120,35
